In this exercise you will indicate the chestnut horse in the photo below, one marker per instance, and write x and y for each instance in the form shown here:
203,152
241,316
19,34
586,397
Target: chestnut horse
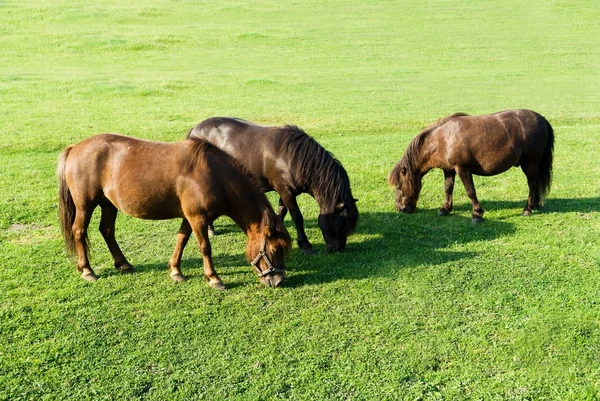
190,179
287,160
481,145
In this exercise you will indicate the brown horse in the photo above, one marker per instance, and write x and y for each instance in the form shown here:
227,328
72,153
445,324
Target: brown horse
289,161
482,145
153,180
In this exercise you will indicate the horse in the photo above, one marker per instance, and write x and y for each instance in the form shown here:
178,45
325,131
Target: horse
289,161
482,145
190,179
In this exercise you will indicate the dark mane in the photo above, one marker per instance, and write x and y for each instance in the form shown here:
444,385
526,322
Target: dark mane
318,171
314,167
410,158
201,146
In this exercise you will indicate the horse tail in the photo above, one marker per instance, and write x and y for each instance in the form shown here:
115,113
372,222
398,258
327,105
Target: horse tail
545,165
66,206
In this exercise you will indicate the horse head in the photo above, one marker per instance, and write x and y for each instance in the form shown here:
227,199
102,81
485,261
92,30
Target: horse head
338,223
267,250
408,186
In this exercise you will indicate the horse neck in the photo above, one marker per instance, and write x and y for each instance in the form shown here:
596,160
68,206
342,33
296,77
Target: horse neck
327,197
421,160
249,219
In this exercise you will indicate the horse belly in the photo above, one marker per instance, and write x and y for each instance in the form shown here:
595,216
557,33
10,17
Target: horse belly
493,163
138,203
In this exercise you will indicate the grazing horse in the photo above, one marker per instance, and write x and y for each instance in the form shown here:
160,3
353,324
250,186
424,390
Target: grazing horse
190,179
482,145
287,160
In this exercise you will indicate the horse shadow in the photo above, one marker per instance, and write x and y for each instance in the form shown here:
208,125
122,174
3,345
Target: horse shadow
383,244
192,267
394,241
552,205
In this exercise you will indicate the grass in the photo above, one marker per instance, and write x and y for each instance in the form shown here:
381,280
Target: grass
419,307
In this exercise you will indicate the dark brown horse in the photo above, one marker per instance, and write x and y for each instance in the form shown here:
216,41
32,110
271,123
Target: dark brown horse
482,145
287,160
153,180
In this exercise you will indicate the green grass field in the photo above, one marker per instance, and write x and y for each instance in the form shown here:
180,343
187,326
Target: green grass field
418,307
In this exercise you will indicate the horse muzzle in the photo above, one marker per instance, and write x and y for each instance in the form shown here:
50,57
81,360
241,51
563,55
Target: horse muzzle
406,209
273,280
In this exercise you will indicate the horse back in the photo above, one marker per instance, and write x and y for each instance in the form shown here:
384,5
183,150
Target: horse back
259,148
145,179
490,144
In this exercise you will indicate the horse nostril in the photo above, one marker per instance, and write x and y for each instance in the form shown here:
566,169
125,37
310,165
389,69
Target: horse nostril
277,281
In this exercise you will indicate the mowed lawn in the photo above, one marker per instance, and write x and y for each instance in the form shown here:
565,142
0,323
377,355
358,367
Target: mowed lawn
418,307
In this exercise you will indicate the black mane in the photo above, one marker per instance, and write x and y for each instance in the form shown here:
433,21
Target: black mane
314,167
318,171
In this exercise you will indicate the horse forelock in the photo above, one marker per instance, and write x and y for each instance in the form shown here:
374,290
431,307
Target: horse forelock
315,168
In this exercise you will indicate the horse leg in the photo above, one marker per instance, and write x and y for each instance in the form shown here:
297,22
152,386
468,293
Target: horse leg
200,227
174,263
80,225
467,179
107,229
289,201
211,230
533,201
281,210
449,176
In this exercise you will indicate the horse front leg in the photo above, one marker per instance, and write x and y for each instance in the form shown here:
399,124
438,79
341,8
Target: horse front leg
289,202
175,262
107,229
199,226
448,189
467,179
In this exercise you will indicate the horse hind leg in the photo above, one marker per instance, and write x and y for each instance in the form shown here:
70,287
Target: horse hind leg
211,230
107,229
533,200
83,214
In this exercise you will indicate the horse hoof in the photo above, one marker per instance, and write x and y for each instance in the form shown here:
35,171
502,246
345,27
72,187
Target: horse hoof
526,213
217,285
178,277
476,220
443,212
308,251
211,233
89,276
126,269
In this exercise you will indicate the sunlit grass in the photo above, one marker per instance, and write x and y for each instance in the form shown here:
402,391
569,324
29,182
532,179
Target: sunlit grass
418,307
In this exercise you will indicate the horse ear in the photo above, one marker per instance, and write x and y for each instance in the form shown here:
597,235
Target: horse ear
339,206
403,170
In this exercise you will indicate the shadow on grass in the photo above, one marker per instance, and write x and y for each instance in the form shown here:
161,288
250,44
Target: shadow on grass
394,241
552,205
400,241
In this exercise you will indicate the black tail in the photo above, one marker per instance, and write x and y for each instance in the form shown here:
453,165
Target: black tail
66,207
545,166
